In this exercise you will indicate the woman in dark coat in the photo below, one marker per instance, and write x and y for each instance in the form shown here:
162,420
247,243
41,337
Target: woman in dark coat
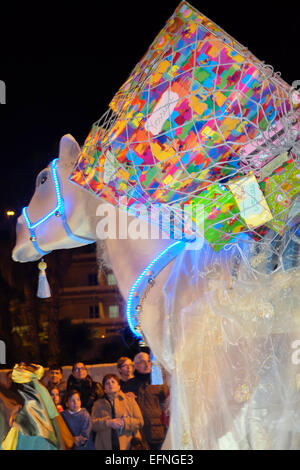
82,382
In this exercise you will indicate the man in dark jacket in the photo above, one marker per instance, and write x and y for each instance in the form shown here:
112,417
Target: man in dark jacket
89,390
150,399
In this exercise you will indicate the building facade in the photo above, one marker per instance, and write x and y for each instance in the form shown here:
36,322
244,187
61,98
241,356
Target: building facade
92,297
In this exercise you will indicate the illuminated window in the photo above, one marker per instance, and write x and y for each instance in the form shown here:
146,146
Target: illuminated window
111,279
113,311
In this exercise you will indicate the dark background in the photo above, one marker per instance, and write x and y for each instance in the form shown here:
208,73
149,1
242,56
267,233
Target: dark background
62,64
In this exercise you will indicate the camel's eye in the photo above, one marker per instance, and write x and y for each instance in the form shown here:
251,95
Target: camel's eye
42,178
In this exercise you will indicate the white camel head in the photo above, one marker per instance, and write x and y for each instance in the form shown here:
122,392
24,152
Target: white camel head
63,215
50,221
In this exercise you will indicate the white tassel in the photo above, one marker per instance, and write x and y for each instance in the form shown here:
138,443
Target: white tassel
43,286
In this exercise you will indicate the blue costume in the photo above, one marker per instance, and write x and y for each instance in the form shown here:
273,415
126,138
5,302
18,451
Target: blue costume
80,424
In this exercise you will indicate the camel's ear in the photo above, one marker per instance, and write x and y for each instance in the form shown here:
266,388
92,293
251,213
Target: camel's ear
69,150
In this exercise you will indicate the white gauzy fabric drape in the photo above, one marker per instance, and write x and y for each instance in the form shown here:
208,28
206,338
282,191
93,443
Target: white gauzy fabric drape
224,328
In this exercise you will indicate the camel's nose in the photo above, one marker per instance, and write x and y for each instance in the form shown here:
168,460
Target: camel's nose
25,254
24,250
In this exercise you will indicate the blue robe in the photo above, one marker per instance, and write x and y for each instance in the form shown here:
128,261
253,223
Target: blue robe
80,425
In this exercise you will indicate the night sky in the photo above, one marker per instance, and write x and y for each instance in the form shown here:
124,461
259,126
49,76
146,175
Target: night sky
63,66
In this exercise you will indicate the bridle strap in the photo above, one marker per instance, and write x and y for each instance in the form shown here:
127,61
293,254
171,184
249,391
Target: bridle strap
144,282
58,211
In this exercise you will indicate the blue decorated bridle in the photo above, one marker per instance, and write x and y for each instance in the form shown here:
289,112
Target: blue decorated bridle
147,277
58,211
145,281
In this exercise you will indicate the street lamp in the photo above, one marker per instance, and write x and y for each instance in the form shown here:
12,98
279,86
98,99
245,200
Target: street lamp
10,213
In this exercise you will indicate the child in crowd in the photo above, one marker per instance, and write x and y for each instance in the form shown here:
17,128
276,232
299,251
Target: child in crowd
55,395
78,421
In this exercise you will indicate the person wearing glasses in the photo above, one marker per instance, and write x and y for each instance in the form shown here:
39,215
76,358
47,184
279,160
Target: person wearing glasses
150,398
125,370
81,381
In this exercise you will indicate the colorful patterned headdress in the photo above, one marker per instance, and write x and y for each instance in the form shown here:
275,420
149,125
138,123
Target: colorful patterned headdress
200,126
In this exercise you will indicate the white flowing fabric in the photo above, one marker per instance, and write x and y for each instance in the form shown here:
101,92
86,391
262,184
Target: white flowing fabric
225,336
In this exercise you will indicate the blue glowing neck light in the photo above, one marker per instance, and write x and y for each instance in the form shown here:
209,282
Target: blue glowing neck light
58,211
147,277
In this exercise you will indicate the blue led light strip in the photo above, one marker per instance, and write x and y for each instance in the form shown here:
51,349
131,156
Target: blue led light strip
148,274
59,210
58,199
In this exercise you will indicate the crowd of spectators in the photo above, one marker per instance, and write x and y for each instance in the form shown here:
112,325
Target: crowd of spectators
124,412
